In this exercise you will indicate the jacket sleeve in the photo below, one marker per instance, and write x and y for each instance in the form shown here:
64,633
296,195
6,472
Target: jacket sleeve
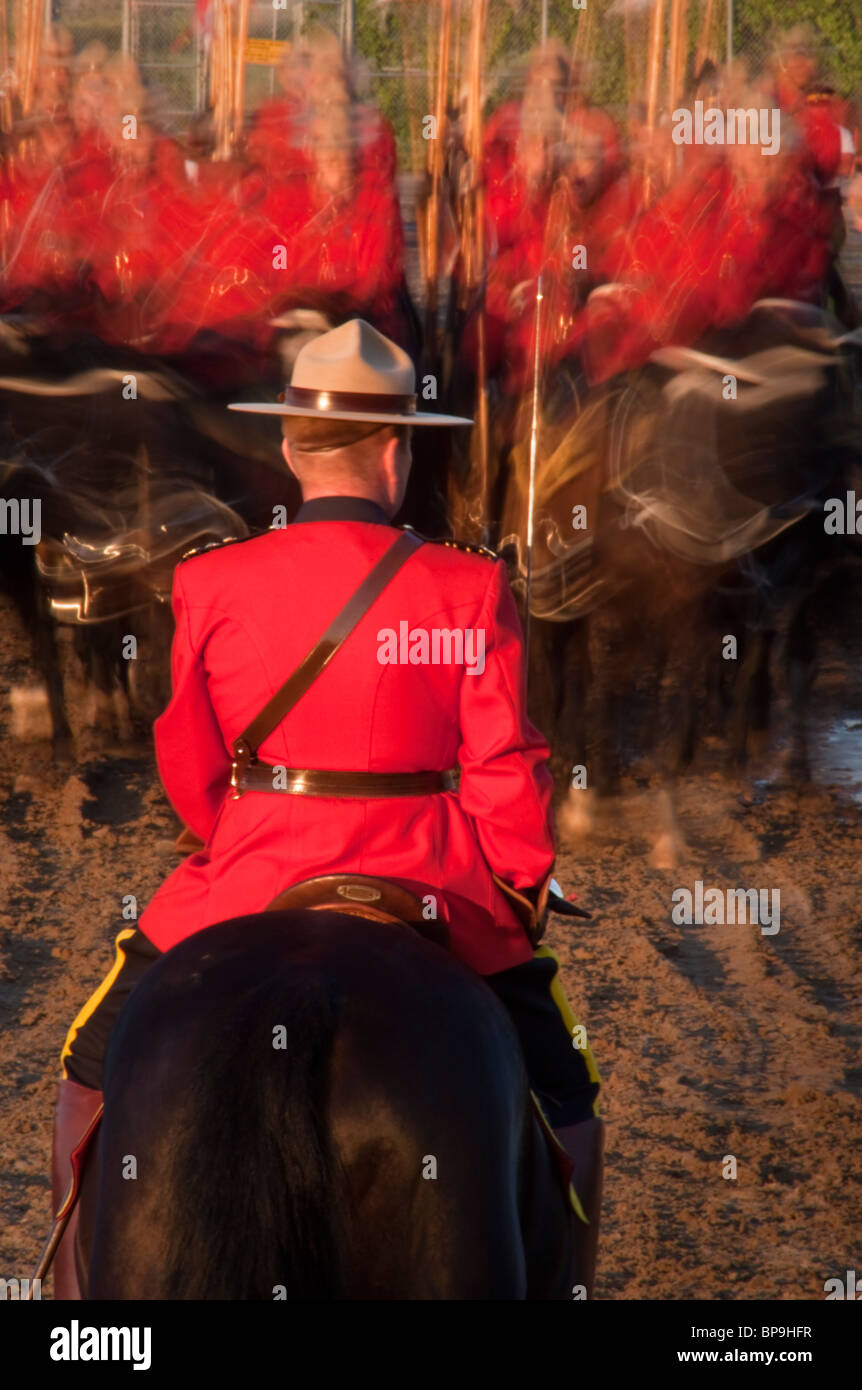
506,784
193,761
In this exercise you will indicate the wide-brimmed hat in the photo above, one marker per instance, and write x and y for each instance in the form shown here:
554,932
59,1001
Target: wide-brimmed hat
352,373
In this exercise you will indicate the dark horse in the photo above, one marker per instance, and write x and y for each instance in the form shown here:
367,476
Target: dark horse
320,1107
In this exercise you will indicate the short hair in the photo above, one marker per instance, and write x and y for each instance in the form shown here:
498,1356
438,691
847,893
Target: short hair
335,451
312,434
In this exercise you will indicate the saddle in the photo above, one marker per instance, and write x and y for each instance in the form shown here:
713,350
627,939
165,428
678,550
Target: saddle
363,895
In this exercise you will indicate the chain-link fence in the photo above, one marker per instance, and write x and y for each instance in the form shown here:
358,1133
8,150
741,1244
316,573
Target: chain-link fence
166,44
397,48
169,41
92,21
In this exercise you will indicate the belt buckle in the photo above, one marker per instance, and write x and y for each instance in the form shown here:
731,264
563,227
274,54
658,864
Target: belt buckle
241,758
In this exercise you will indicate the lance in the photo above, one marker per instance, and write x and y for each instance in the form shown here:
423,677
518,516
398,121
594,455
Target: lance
6,104
432,64
239,78
22,29
6,127
211,53
33,17
216,77
628,47
704,47
228,76
583,39
675,64
653,75
417,142
531,490
676,51
476,249
22,35
436,157
221,56
457,55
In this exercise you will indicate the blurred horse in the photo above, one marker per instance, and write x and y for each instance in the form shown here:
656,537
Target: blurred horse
123,486
678,507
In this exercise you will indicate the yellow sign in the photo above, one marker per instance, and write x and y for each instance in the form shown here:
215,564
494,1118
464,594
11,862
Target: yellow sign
267,53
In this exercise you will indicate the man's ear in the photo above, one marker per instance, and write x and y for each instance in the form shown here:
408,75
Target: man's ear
285,454
396,470
396,461
389,457
397,457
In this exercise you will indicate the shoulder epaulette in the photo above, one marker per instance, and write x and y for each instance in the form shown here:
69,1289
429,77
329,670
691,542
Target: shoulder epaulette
219,545
469,547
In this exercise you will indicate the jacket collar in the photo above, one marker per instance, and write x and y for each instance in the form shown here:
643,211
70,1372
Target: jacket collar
342,509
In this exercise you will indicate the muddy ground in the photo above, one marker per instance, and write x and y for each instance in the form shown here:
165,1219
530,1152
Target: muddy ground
713,1041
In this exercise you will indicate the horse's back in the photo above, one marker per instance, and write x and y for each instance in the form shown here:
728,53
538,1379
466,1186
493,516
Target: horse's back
317,1107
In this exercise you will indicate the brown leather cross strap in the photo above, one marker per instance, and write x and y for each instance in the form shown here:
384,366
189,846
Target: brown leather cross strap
245,747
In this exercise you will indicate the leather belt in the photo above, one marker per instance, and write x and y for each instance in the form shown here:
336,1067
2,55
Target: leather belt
292,781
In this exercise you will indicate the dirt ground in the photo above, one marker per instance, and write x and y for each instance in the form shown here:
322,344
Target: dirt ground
712,1041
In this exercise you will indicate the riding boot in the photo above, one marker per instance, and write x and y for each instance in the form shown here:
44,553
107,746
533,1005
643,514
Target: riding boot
584,1144
76,1108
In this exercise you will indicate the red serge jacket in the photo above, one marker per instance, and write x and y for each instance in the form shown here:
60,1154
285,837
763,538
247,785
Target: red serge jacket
246,615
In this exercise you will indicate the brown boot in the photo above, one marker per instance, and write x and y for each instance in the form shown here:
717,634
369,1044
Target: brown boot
584,1144
76,1108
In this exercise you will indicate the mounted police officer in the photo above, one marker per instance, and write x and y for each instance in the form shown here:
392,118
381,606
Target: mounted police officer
359,777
